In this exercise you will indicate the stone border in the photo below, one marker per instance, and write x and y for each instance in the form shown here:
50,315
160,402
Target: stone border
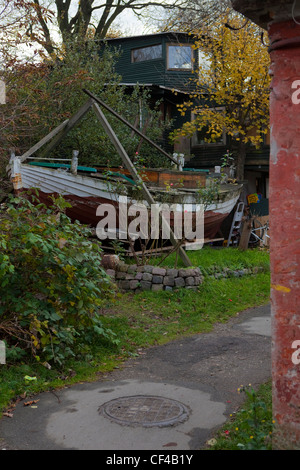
140,278
226,272
136,278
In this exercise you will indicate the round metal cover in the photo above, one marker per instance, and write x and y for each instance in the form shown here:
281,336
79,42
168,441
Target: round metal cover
145,410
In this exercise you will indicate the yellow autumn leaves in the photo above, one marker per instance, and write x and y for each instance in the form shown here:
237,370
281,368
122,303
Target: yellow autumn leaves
231,83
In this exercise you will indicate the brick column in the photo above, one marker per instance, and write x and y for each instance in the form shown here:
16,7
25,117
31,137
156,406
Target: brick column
285,231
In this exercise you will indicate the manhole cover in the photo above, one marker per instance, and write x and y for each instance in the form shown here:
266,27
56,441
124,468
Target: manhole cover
143,410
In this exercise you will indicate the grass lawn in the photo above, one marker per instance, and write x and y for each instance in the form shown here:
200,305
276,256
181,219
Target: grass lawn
215,257
150,318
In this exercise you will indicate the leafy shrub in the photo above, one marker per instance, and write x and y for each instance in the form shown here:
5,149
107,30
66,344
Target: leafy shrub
51,282
40,96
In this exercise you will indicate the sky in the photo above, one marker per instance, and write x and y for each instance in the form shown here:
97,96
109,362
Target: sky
130,25
127,23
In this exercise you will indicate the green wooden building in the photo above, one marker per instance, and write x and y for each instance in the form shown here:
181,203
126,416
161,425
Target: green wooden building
165,64
165,60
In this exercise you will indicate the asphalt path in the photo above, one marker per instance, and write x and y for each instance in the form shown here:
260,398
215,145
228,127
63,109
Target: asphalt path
191,384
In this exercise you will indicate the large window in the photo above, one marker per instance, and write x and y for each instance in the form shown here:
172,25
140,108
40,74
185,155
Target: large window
179,57
146,53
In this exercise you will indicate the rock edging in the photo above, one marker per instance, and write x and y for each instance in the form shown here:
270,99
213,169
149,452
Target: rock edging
226,272
136,278
140,278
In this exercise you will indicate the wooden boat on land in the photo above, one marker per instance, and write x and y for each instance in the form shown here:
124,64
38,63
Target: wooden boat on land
91,187
86,188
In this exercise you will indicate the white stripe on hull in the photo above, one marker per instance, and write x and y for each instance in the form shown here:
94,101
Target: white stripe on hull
51,180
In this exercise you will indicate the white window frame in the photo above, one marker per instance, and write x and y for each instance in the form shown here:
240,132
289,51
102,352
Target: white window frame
176,44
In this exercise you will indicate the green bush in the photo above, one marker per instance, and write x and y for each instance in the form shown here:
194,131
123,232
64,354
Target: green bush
40,96
51,282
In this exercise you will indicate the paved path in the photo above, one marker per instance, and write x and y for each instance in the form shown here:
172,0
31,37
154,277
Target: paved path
194,380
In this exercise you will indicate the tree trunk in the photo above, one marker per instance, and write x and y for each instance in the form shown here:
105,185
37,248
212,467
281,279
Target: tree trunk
240,166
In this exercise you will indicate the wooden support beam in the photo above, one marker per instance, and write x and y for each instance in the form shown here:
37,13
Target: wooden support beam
245,235
122,153
72,122
43,141
131,168
114,113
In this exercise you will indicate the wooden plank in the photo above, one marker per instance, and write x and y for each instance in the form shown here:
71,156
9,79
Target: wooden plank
206,240
129,165
122,153
194,243
72,122
245,235
52,159
153,251
43,141
182,179
62,165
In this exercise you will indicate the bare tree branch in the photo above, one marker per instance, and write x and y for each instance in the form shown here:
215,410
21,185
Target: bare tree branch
76,18
47,42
